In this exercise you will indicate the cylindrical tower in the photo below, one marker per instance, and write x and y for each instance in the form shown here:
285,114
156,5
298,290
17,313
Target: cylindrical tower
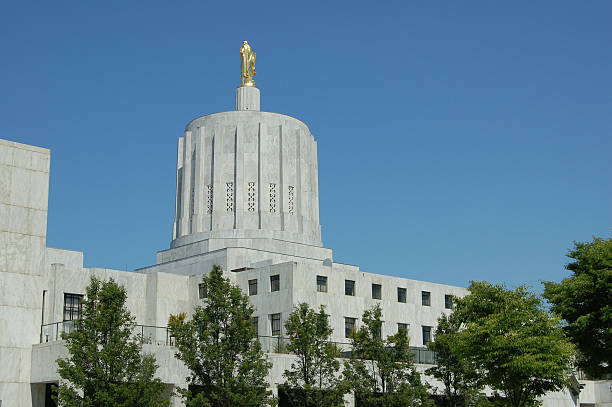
247,174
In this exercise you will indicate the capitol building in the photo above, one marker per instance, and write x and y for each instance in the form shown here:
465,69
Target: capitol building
247,199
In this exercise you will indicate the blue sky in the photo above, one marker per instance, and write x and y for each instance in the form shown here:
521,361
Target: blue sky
457,140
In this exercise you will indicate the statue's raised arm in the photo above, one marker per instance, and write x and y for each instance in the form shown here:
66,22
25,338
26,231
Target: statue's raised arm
247,65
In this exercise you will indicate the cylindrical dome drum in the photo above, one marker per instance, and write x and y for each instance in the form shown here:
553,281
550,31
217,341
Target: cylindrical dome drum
247,174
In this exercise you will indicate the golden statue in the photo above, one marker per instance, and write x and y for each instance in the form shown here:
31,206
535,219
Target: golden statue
247,65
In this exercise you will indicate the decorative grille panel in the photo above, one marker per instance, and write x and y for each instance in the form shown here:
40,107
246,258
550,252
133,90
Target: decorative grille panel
229,197
251,197
209,198
272,198
290,197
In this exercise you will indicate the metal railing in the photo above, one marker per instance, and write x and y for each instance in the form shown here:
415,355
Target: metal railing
160,336
148,334
278,344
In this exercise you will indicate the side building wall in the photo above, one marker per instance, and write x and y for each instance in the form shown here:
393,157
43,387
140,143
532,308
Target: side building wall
24,189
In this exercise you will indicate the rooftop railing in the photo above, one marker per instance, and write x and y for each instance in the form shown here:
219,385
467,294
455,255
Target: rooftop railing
160,336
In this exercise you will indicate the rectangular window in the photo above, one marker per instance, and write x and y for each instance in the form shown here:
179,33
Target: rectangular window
448,301
376,291
349,287
275,323
378,330
253,287
275,283
255,322
401,294
72,306
202,291
402,327
322,284
426,298
426,335
349,326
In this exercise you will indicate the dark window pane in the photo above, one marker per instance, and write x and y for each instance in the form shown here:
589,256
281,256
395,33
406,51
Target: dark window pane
378,330
275,321
376,291
322,284
72,306
426,298
349,326
401,294
448,301
426,335
202,291
402,327
255,322
253,287
349,287
275,283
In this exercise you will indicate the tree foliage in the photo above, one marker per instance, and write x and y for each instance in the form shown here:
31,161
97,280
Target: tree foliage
219,347
381,372
584,301
517,347
459,377
313,377
105,366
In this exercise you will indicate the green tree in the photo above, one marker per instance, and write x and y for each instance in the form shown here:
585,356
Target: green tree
313,377
381,372
584,301
105,366
219,347
516,345
458,375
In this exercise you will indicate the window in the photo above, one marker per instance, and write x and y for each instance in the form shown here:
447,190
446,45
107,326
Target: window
72,306
349,287
253,287
376,291
402,327
202,291
378,330
401,294
426,335
448,301
349,326
322,284
426,298
275,323
275,283
255,322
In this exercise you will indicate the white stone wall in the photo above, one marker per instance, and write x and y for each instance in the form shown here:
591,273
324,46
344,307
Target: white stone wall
267,302
61,280
300,282
173,372
24,188
151,297
596,392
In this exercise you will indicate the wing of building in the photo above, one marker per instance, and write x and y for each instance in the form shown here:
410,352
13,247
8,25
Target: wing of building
247,199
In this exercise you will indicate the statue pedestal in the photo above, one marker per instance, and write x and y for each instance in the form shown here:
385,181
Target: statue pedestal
247,98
